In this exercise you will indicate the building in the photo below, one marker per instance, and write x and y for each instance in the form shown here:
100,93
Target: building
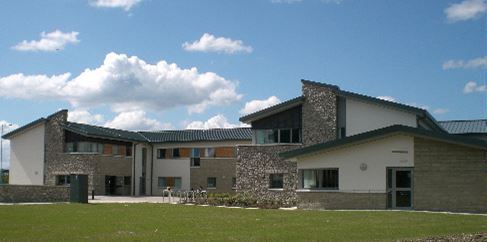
327,149
48,150
334,149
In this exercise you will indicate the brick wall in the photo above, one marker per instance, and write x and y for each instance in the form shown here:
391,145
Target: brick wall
222,169
32,193
449,177
341,200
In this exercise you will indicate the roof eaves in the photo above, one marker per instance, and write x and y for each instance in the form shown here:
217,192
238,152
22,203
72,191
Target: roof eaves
272,110
25,127
466,141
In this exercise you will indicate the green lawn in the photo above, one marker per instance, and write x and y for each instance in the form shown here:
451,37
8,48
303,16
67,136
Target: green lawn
157,222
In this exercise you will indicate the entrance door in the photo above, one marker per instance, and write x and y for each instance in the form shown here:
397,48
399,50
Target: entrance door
400,188
110,185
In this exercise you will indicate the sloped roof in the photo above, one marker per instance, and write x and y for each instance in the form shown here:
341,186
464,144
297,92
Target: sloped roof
272,109
478,126
394,129
25,127
198,135
103,132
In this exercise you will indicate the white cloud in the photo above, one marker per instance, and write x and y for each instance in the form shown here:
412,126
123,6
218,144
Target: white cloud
125,4
387,98
84,116
256,105
467,9
136,120
480,62
6,143
210,43
125,84
474,87
52,41
440,111
218,121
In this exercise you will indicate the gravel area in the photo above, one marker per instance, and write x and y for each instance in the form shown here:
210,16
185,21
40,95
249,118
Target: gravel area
480,237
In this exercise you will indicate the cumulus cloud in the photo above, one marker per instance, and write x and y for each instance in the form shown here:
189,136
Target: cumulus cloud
480,62
387,98
136,120
7,127
218,121
256,105
125,4
125,84
210,43
466,10
472,86
440,111
84,116
52,41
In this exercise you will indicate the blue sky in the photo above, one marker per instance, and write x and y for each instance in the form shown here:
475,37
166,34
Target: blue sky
129,64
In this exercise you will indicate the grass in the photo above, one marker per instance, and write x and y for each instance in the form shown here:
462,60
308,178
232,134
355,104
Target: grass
162,222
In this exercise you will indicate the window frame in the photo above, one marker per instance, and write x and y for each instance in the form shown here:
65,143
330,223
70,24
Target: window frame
66,180
273,136
161,153
208,183
320,173
176,153
271,181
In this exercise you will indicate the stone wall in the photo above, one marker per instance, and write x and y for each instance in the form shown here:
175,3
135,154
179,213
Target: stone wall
449,177
222,169
341,200
96,166
254,165
33,193
319,113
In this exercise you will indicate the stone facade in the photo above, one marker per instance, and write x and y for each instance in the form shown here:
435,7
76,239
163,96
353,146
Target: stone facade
319,113
33,193
96,166
221,168
449,177
254,165
341,200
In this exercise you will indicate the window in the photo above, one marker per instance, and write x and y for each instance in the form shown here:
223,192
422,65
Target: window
210,152
326,179
276,180
161,153
127,180
62,180
234,182
343,133
175,153
84,147
115,150
172,182
211,183
269,136
195,157
128,150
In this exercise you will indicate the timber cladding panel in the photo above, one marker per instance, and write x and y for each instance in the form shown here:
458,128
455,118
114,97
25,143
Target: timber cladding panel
225,152
184,152
107,149
449,177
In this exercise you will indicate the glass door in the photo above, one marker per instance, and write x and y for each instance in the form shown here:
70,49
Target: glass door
400,188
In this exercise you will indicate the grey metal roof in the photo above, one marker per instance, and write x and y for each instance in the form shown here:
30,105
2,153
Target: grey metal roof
478,126
198,135
417,132
103,132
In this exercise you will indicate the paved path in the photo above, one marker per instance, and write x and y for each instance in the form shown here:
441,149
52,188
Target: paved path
144,199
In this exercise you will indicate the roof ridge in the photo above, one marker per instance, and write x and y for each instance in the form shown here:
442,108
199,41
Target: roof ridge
462,120
103,127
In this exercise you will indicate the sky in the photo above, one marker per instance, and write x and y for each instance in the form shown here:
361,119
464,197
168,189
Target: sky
156,64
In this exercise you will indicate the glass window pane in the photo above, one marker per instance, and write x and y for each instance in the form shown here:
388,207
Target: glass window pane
389,178
195,152
70,147
403,199
310,179
403,179
210,152
285,136
162,182
175,153
276,180
296,136
274,136
211,182
177,182
330,179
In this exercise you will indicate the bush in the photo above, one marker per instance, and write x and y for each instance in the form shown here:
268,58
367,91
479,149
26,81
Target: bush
239,200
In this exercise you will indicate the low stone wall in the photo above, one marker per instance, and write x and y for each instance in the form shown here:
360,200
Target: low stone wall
341,200
33,193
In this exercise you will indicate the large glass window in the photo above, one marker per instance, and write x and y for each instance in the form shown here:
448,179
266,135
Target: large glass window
62,180
84,147
326,179
172,182
195,157
272,136
128,150
276,180
161,153
175,153
210,152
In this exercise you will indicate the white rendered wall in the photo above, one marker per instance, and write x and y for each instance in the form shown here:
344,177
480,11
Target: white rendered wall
364,116
27,157
377,154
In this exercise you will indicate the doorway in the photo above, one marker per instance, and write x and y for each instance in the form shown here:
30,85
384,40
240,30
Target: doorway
110,185
400,188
